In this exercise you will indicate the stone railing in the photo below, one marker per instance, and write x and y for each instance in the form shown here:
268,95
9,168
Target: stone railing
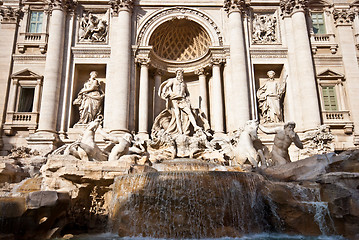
323,41
338,119
20,120
32,40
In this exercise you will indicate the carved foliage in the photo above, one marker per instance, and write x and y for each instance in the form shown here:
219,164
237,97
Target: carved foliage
343,16
121,5
264,28
9,14
234,5
288,6
92,28
67,5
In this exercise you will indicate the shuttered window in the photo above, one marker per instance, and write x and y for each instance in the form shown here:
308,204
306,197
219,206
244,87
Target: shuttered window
329,98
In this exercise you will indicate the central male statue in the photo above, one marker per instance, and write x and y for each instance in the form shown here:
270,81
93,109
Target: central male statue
175,92
179,115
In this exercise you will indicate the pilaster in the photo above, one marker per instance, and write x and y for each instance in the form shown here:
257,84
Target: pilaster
239,80
217,122
8,29
46,138
305,73
344,23
203,90
144,94
117,82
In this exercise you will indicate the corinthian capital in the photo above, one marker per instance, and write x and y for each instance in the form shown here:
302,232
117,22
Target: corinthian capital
234,5
290,6
9,14
343,16
121,5
67,5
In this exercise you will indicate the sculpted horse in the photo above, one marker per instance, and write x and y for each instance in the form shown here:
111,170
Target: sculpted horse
245,148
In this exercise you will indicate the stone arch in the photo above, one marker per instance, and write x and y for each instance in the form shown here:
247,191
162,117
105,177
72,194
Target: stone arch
154,20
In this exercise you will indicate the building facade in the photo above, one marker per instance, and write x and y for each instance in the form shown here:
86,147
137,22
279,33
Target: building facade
309,49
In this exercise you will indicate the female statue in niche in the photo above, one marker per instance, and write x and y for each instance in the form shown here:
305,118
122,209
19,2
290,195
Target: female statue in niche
269,99
90,100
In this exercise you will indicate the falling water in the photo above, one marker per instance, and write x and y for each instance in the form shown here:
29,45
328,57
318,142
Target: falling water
311,202
189,205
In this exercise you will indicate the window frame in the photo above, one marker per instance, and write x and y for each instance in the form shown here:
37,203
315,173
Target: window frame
313,25
36,22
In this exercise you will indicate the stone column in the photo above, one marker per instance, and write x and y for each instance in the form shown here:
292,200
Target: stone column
303,54
117,84
203,90
53,69
8,27
217,98
143,99
239,104
344,20
12,95
158,100
37,95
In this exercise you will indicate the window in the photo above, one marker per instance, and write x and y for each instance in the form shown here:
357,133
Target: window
26,99
318,23
329,98
35,25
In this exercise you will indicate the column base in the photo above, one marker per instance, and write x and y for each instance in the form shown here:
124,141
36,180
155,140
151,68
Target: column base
143,136
44,142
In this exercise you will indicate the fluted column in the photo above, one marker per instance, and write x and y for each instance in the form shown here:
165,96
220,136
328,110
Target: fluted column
239,94
144,93
344,20
217,122
53,67
295,9
12,95
117,82
157,99
203,90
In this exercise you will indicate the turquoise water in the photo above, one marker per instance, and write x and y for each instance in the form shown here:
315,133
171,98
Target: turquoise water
262,236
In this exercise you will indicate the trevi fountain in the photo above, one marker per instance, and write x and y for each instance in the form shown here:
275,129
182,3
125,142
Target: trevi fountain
182,182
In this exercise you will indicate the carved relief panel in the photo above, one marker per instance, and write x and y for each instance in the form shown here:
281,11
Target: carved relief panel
265,28
93,27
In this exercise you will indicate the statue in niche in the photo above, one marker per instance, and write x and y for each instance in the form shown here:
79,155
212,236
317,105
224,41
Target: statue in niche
179,116
90,100
270,99
264,28
284,137
92,28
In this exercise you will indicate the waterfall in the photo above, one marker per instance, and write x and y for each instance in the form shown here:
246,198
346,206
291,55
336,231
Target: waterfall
190,205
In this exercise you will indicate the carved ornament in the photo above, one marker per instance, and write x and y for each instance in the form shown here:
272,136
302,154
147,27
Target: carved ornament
93,28
178,11
9,14
67,5
288,7
143,61
234,6
343,16
121,5
264,29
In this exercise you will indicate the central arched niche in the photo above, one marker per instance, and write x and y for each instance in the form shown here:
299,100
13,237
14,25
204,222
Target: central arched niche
180,40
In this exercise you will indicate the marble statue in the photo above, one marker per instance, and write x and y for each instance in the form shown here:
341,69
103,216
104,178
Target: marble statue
86,148
179,116
121,146
264,27
284,137
90,100
92,28
270,98
245,148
